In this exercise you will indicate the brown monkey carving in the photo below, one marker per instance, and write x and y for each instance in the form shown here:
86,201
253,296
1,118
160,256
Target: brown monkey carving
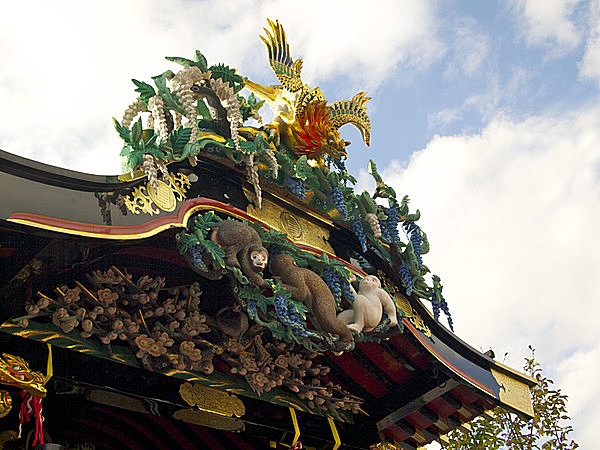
243,249
307,287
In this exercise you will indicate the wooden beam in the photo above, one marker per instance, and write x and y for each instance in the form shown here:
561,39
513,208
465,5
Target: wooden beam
415,404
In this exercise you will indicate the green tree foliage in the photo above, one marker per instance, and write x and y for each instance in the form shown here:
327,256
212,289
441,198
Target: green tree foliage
549,428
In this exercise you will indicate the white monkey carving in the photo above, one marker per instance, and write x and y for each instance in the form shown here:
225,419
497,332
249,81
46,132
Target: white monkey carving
369,304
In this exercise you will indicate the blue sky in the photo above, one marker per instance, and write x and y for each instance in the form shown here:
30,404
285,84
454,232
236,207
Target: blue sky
486,113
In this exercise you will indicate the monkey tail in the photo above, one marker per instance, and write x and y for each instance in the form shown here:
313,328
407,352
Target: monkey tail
325,312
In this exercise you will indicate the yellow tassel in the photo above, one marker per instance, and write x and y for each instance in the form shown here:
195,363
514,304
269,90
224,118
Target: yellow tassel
296,427
334,431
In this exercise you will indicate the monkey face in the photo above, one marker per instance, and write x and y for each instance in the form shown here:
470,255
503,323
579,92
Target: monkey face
370,282
259,259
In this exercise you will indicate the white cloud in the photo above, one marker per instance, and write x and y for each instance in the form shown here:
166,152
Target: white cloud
589,66
548,23
470,50
512,214
67,65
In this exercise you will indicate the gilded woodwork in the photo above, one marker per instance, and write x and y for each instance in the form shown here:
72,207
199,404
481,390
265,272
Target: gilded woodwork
403,305
210,420
514,393
299,229
147,200
212,400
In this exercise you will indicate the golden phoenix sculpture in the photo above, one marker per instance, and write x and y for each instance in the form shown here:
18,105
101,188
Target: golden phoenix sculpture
303,119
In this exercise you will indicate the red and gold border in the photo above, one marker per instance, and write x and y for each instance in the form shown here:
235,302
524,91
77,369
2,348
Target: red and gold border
153,226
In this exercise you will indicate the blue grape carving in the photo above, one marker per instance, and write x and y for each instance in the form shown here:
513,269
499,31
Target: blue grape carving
357,227
404,271
413,232
338,200
333,282
391,223
296,186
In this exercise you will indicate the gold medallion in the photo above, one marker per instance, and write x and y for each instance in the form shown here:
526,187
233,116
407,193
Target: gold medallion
290,225
162,197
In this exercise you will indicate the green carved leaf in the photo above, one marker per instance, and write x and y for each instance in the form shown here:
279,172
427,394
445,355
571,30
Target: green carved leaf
186,241
287,165
202,223
254,103
161,84
247,147
126,150
200,61
124,133
227,74
145,90
179,138
134,158
136,131
215,251
251,293
203,109
179,60
373,171
302,167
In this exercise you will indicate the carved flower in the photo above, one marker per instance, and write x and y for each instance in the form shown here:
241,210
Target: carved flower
112,335
24,323
142,299
259,379
43,302
169,305
87,325
107,297
32,310
81,313
188,329
165,339
71,296
145,282
112,310
108,277
157,349
281,361
131,326
59,314
159,312
295,360
117,325
180,365
144,342
93,314
186,347
249,364
234,346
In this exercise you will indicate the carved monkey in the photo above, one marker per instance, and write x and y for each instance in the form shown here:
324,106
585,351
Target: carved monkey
368,306
243,248
308,288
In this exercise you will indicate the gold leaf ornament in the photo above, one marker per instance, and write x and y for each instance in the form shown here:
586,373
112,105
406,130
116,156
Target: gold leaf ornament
212,400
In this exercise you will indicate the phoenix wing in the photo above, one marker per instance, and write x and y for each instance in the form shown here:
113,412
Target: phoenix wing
352,111
286,70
